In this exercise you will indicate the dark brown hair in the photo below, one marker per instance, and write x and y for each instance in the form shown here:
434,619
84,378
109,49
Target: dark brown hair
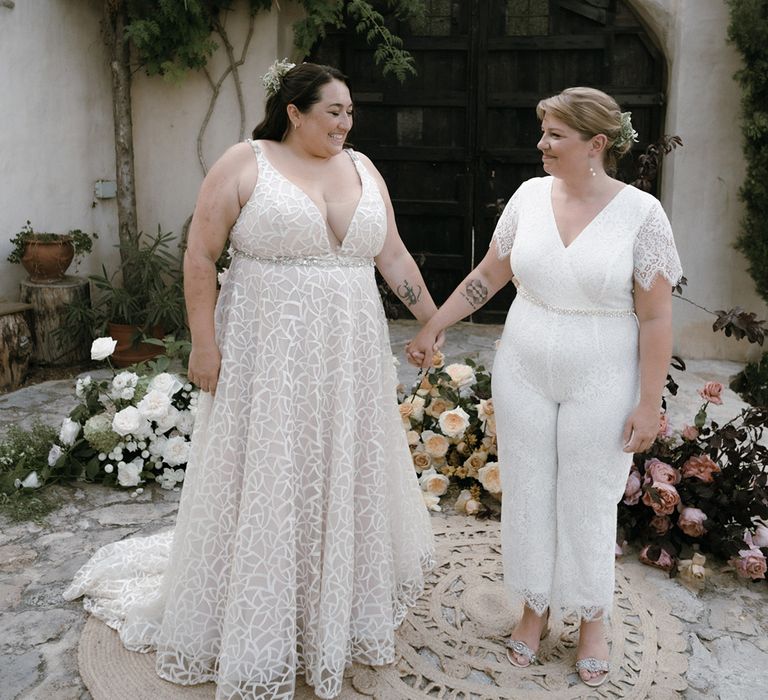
300,87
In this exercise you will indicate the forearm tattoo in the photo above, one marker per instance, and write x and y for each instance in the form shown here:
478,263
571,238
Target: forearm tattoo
409,294
476,293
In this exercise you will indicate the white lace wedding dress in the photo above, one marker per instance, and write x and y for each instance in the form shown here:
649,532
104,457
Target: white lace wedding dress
302,536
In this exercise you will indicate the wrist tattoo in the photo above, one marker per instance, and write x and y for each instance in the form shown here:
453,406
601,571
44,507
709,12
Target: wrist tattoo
476,293
410,295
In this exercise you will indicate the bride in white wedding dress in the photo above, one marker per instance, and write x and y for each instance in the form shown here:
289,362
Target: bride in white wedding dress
302,536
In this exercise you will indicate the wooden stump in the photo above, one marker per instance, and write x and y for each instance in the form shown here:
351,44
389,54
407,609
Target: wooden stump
49,302
15,344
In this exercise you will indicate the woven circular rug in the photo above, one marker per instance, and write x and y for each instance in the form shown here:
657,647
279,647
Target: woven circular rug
451,645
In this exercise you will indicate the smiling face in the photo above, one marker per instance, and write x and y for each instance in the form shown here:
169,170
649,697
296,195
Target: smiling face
323,128
564,151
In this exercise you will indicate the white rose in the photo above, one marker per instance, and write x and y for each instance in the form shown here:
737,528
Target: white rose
31,481
431,501
485,409
185,422
53,455
127,421
760,536
490,426
490,477
166,383
128,474
413,437
154,405
176,451
169,420
434,483
123,380
454,423
69,432
461,375
157,446
126,394
81,385
102,348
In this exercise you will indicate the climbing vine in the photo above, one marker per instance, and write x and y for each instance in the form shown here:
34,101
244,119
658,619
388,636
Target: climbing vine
748,31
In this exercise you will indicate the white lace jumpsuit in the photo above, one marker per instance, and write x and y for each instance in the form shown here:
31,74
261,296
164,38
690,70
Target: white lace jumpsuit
565,379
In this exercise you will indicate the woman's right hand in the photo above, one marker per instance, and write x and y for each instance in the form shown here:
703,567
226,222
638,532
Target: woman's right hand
420,350
204,365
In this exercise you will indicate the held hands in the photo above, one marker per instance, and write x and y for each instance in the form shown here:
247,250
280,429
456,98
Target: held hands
204,365
419,351
641,429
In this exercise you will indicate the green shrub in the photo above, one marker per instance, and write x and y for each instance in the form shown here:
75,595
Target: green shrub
752,382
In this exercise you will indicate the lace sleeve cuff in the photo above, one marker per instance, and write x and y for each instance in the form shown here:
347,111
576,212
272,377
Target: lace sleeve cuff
504,234
655,252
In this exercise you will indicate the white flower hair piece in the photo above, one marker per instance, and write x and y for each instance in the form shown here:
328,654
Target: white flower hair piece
274,75
627,133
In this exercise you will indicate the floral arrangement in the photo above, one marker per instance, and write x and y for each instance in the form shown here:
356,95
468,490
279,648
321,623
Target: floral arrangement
703,488
131,428
451,429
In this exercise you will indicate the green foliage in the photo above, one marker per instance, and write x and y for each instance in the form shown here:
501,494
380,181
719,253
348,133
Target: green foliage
22,452
748,30
82,242
752,382
172,37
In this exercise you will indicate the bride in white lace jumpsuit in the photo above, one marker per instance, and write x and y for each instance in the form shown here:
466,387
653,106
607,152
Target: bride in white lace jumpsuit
580,369
302,535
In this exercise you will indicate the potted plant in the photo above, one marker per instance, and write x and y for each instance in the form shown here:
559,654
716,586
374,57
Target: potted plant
46,256
143,298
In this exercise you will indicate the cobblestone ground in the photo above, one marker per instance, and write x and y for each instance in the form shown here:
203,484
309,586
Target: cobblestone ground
726,624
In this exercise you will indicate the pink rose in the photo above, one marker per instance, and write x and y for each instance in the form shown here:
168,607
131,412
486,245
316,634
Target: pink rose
658,471
663,498
711,392
691,522
632,491
653,555
750,563
690,433
700,467
660,524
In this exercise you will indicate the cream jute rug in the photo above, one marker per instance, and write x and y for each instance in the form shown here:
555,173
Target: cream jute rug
451,643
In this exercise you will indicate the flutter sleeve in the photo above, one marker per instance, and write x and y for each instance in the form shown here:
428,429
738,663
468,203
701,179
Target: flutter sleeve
506,227
654,251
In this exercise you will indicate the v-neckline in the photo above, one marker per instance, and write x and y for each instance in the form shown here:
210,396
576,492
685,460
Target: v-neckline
587,226
335,245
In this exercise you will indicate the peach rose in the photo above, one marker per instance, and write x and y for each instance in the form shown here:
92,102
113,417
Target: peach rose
656,470
750,563
431,501
660,524
434,483
475,461
485,409
438,360
454,423
693,572
662,498
412,408
691,521
488,444
632,490
473,507
425,385
421,461
490,477
463,498
436,445
654,555
689,433
461,375
700,467
438,406
490,426
711,392
413,438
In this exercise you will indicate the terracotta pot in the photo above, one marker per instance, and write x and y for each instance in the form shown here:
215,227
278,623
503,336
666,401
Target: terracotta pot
126,351
47,261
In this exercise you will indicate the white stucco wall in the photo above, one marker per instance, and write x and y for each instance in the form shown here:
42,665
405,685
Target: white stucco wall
56,140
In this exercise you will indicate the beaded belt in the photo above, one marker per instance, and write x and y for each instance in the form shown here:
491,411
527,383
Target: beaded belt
308,260
611,313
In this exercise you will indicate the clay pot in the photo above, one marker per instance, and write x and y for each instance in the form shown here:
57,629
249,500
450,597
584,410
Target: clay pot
47,261
126,351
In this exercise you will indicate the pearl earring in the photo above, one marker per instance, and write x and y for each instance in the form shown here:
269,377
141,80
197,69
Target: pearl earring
591,169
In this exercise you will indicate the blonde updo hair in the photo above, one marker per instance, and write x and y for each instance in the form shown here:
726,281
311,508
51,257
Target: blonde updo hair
590,112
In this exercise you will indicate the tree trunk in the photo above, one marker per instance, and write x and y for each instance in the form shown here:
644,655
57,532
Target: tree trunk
120,70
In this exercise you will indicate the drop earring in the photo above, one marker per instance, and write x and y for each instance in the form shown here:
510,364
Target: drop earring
591,169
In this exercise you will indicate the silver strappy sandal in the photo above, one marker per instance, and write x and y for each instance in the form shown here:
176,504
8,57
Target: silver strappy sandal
515,646
593,665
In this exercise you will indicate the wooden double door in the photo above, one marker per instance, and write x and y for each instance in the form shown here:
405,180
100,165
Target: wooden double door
455,141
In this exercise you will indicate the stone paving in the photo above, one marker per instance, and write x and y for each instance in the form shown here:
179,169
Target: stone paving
726,624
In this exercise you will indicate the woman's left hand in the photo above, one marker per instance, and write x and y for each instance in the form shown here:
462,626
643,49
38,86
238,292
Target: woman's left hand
641,429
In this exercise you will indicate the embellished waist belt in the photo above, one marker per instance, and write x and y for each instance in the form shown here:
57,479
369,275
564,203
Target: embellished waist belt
610,313
307,260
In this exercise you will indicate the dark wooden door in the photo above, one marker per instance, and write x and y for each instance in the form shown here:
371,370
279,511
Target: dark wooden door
454,142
